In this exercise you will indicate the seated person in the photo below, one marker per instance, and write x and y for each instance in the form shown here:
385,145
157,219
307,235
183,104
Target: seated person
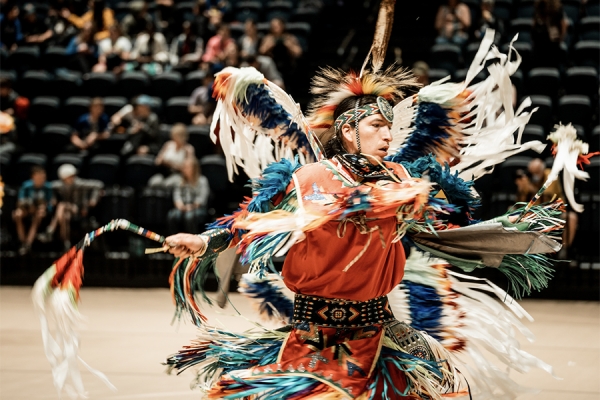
76,197
36,30
150,51
35,200
186,49
91,127
113,51
282,46
83,50
452,22
190,199
530,181
201,104
266,66
140,123
8,96
172,157
102,16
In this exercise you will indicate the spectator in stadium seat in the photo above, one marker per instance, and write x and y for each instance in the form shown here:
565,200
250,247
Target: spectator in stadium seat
76,197
136,22
11,34
266,66
35,30
452,22
91,127
283,47
190,199
549,31
35,200
186,49
488,20
172,157
150,50
8,96
100,16
250,40
530,181
201,104
83,50
141,124
113,51
221,48
420,70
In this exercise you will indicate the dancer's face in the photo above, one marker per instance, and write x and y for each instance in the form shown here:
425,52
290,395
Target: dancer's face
375,136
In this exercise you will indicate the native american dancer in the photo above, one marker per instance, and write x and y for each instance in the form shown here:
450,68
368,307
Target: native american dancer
370,197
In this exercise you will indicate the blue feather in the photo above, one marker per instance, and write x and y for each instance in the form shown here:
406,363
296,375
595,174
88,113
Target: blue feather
431,121
270,296
275,179
425,308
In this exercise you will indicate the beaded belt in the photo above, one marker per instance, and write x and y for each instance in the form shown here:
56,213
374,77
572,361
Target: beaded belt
341,313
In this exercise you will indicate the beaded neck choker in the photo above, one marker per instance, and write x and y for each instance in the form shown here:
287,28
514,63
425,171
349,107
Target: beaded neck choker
359,165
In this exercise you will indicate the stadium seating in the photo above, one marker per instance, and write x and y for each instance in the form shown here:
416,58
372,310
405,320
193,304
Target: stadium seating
543,116
54,57
589,29
132,84
177,110
587,53
279,9
575,109
104,167
24,58
138,170
245,10
99,84
446,56
544,81
65,84
34,83
44,110
199,137
192,81
53,139
582,80
74,107
523,27
165,85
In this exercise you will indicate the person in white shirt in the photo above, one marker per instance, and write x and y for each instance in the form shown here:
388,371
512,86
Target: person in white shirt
190,199
150,50
172,157
113,51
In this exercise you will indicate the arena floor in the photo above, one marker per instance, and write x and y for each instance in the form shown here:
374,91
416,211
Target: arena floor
129,335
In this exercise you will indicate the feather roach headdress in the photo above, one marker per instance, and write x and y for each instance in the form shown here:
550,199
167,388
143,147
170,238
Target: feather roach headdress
331,86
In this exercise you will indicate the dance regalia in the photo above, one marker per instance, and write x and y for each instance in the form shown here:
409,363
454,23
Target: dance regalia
380,310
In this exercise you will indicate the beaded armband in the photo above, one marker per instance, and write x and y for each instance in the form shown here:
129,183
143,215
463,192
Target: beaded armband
217,240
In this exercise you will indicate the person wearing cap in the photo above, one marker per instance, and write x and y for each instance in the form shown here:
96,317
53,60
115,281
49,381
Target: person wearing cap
76,197
36,201
140,123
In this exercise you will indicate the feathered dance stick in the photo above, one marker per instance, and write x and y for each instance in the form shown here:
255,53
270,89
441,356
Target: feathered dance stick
56,296
383,31
568,152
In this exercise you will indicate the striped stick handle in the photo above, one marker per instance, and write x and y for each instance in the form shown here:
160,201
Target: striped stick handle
535,198
128,226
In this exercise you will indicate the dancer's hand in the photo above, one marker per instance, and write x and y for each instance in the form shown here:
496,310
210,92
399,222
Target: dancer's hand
185,244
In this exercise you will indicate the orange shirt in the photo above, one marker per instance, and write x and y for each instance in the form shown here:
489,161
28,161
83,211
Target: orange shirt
315,265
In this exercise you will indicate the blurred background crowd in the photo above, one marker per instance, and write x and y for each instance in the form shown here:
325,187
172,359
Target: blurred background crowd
106,105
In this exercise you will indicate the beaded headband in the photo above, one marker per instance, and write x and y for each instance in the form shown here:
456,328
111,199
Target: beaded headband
356,114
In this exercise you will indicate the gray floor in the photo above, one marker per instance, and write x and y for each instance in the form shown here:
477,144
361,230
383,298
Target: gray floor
129,334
